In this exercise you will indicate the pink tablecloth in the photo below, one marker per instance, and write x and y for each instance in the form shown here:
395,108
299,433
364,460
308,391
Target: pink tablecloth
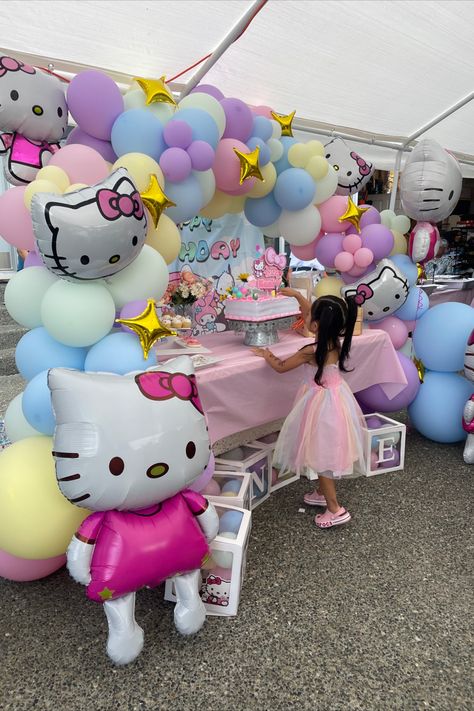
242,391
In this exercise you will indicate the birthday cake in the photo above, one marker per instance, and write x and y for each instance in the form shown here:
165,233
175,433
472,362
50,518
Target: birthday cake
256,299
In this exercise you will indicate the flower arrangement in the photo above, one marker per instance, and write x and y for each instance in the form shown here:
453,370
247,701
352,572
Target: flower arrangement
189,289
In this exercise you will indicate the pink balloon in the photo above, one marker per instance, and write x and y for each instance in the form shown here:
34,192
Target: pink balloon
203,481
227,167
308,251
396,329
16,227
212,488
411,325
81,163
360,271
344,261
352,243
331,211
262,111
363,257
23,570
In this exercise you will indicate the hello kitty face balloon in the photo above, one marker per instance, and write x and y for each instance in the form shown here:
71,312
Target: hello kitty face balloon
431,183
469,358
353,171
92,233
128,442
381,292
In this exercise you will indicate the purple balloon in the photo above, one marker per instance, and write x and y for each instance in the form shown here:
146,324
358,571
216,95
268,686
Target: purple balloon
94,101
178,134
201,154
105,149
379,239
208,89
371,217
33,260
175,164
205,477
375,399
239,119
393,459
328,248
130,310
373,423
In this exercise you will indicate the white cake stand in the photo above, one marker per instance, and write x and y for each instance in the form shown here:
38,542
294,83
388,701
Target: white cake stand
261,333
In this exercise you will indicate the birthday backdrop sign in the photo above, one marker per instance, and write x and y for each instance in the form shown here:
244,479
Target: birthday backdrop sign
218,249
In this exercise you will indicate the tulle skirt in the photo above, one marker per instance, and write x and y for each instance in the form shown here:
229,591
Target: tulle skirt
322,433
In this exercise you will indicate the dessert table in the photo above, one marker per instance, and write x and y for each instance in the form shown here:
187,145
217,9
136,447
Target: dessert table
240,392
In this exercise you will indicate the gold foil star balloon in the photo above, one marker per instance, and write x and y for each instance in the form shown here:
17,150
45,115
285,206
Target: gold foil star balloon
420,274
285,122
156,90
147,326
249,167
353,213
155,200
420,368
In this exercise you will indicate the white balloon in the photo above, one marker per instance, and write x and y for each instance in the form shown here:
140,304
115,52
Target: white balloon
300,227
24,294
326,187
145,278
136,99
16,425
272,230
401,223
207,181
387,217
276,149
207,103
224,558
276,132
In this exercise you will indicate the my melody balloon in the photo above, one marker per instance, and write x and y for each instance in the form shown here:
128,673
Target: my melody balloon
33,116
128,448
381,292
353,171
91,233
468,414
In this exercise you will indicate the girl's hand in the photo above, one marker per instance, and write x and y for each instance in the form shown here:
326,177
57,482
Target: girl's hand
286,291
260,352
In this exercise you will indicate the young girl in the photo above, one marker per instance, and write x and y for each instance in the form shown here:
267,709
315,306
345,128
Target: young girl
323,432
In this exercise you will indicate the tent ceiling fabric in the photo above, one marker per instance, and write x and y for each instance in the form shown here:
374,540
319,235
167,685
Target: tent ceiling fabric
376,66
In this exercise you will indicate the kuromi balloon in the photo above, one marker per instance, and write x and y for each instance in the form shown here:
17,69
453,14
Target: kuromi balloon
128,448
92,233
431,182
381,292
353,172
33,115
468,414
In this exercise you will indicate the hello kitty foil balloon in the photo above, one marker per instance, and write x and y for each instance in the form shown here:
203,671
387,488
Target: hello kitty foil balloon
33,117
468,414
91,233
381,292
128,448
353,171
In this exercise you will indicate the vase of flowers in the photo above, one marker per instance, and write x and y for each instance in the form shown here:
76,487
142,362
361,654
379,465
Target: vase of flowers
182,295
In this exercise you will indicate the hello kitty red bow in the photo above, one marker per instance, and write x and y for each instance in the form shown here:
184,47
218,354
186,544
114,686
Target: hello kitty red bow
8,64
159,385
363,293
113,205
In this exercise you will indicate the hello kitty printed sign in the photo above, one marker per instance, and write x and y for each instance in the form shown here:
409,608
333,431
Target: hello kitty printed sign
215,589
268,269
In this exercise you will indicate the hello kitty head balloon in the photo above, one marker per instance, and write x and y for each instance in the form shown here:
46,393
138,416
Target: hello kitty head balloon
32,102
128,442
92,233
431,182
381,292
353,171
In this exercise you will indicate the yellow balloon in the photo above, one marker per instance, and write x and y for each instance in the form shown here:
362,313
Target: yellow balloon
315,148
265,186
75,186
298,155
166,238
400,245
328,286
237,204
36,520
140,167
39,186
317,167
54,175
218,206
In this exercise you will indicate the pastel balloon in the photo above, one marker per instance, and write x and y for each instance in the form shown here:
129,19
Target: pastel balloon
23,570
140,167
386,217
104,148
48,353
437,410
175,164
230,521
81,164
207,183
416,304
396,329
138,131
297,155
363,257
95,101
376,399
328,247
264,155
201,154
328,286
187,195
401,223
212,488
39,186
265,186
135,98
165,239
145,278
262,127
36,404
29,497
331,211
400,244
326,187
262,211
307,252
404,263
16,425
208,89
24,294
73,188
300,227
441,335
317,167
217,206
178,133
239,119
344,261
282,163
119,353
15,220
208,103
351,243
203,125
294,189
54,175
262,111
227,166
276,149
33,259
377,238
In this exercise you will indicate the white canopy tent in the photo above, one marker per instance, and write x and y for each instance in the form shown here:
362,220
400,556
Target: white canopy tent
375,72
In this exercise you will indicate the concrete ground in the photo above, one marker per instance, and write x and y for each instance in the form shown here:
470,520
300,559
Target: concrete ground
375,615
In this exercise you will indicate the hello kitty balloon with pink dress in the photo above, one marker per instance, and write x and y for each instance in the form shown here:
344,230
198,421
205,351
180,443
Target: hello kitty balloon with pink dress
128,448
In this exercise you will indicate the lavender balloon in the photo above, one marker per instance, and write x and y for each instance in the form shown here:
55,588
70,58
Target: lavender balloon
328,248
208,89
130,310
375,400
239,119
33,259
379,239
201,155
94,101
371,217
178,134
105,149
175,164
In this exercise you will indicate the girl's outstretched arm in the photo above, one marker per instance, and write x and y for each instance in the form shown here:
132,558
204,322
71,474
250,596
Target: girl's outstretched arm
306,355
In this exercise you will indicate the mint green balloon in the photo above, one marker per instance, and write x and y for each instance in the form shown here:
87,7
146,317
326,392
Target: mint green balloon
78,314
24,294
145,278
16,425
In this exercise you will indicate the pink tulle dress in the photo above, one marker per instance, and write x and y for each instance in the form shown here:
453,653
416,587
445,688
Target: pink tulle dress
323,432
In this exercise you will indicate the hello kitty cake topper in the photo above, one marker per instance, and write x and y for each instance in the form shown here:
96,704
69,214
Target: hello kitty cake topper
268,269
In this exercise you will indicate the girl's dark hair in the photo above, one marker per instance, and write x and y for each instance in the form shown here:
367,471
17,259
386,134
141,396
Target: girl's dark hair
336,319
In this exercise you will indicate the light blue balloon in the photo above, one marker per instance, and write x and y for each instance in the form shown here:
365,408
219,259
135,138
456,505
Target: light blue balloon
188,197
230,522
264,155
37,351
436,412
262,211
118,353
232,486
138,131
294,189
415,305
441,335
203,125
406,266
36,404
262,128
283,164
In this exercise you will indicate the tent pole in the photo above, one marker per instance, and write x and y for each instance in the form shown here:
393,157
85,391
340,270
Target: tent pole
440,117
223,45
396,173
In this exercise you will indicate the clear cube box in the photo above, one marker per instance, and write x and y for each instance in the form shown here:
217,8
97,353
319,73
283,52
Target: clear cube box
230,488
384,445
222,582
256,461
276,482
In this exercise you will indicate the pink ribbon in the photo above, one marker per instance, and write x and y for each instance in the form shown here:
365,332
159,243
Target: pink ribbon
271,257
8,64
159,385
112,205
363,293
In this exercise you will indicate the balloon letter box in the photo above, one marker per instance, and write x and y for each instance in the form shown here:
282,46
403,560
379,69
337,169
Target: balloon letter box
228,487
384,445
277,482
256,461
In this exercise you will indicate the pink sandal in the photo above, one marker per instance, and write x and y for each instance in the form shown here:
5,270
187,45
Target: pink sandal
329,519
315,499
